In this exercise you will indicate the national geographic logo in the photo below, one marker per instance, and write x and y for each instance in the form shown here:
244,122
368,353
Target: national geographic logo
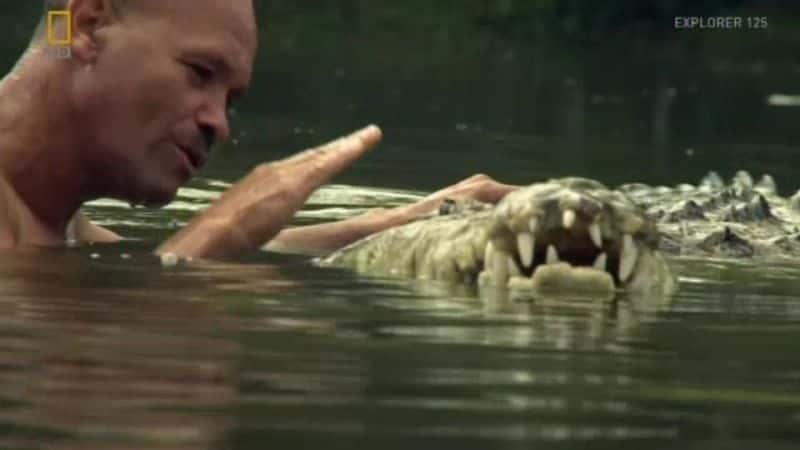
59,40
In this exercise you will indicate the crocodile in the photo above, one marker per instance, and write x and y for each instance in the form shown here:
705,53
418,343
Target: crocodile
576,235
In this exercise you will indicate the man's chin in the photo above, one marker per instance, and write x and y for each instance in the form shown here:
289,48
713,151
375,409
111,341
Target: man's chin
154,198
154,203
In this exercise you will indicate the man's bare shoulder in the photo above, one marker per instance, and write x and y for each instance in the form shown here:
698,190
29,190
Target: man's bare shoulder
83,230
19,227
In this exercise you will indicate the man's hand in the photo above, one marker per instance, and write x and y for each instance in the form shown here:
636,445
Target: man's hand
477,187
326,237
256,208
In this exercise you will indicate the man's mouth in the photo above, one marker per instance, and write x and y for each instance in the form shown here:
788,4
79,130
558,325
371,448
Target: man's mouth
196,157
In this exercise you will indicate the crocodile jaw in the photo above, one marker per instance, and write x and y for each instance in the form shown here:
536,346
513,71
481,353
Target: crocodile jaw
570,236
573,237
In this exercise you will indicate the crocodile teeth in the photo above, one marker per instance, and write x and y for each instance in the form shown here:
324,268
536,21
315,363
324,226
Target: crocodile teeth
500,267
513,270
533,224
487,255
628,257
597,237
600,262
525,243
568,218
552,255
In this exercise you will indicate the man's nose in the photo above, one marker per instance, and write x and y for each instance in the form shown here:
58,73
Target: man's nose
213,121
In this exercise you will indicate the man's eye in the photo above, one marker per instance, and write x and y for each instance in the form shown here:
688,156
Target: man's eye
202,72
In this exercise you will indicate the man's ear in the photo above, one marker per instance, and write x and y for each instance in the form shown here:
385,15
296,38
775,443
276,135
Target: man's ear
88,16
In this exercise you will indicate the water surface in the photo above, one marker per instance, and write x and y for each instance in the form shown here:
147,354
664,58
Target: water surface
101,347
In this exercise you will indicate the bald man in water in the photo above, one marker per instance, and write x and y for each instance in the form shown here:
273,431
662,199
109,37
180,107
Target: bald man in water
132,114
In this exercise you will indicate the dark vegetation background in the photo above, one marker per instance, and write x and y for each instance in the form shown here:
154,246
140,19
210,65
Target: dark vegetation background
605,88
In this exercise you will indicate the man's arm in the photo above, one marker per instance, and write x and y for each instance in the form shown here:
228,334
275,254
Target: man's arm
218,233
324,238
83,230
256,208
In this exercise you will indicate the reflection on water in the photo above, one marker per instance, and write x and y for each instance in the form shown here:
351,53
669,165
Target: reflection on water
98,355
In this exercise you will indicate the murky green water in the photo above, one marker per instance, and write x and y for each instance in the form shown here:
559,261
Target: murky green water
101,347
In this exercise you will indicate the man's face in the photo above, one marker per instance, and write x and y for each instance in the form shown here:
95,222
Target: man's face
157,94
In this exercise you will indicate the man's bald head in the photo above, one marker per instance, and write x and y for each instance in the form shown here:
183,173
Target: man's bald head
118,6
50,5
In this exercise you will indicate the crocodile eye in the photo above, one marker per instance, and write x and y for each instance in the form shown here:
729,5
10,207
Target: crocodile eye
447,207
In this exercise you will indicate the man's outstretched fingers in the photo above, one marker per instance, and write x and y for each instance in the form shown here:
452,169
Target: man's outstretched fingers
312,168
256,208
333,157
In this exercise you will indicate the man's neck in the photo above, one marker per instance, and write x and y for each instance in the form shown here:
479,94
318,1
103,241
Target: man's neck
39,161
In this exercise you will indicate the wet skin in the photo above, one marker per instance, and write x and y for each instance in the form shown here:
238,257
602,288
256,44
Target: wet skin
103,125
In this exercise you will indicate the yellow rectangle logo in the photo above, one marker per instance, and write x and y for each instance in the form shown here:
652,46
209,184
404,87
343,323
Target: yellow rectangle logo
52,39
